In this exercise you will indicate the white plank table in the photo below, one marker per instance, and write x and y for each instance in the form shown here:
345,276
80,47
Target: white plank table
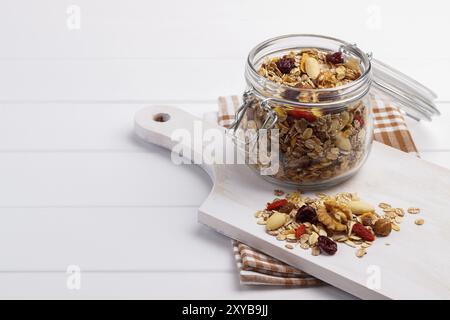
77,188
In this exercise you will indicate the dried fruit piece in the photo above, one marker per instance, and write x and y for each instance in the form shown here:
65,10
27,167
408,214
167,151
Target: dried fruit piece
306,214
335,58
300,231
362,232
278,192
275,221
286,64
382,227
327,245
276,204
302,114
360,119
334,215
287,208
368,219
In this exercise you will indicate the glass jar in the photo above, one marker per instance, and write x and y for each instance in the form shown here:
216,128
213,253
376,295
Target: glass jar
324,134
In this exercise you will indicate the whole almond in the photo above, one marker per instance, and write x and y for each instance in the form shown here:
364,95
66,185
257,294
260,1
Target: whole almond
312,67
360,207
275,221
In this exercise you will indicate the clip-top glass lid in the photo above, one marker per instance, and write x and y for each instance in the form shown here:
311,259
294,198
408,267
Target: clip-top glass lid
411,96
416,100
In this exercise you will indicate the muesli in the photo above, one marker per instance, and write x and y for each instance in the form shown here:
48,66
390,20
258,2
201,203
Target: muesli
315,144
319,223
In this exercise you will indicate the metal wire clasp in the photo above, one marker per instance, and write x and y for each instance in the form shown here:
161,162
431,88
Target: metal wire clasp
248,100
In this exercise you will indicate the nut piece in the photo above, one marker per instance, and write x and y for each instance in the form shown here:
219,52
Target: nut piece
419,222
334,215
368,219
340,72
289,246
312,67
382,227
275,221
315,251
313,238
360,252
343,143
360,207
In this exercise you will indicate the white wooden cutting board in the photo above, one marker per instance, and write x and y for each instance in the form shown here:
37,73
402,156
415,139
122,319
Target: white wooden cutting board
411,264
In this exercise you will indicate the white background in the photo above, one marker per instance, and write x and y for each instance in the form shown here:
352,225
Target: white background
76,187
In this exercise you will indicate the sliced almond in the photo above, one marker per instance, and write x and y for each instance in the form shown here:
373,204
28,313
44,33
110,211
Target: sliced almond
361,252
312,67
313,238
291,236
350,243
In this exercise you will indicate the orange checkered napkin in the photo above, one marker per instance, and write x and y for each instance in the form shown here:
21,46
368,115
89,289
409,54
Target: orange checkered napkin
258,268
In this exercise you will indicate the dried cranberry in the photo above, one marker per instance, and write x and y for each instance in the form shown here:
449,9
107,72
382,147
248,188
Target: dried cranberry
286,64
306,214
327,245
335,58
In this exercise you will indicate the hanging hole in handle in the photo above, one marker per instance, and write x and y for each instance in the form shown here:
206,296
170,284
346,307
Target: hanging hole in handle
161,117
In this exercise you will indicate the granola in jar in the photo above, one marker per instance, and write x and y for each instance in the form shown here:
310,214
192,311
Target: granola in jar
323,116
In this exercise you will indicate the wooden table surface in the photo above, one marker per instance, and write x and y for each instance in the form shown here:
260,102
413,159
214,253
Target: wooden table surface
76,186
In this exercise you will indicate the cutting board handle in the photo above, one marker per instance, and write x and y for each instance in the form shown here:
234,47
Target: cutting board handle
173,129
